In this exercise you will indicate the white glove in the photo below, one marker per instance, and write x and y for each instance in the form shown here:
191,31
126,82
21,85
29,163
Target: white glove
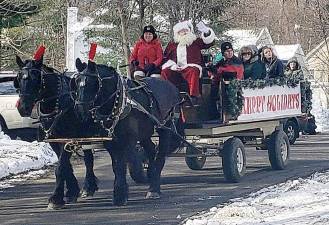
174,67
202,27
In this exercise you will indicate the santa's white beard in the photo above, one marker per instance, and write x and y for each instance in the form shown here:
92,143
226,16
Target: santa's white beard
186,39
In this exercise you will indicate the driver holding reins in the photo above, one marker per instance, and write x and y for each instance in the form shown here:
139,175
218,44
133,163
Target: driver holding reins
147,54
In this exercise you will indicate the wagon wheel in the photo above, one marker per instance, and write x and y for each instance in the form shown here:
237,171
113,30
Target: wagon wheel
292,131
278,150
194,162
233,159
137,165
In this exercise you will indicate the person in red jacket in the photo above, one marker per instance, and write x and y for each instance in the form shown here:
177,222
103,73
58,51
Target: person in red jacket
184,57
147,54
230,67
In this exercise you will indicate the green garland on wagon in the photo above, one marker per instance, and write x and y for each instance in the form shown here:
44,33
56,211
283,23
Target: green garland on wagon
234,98
235,94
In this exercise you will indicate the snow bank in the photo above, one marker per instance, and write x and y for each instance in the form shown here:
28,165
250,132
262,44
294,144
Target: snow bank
20,156
320,112
300,201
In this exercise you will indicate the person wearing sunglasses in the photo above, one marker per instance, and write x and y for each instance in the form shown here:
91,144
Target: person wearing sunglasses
253,68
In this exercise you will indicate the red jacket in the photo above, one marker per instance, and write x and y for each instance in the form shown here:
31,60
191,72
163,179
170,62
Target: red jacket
232,67
146,53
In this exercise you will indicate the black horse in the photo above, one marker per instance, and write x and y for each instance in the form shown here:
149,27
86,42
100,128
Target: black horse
48,90
129,112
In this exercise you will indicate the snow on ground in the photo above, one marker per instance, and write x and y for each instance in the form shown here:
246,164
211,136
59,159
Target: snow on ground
18,179
19,156
321,114
295,202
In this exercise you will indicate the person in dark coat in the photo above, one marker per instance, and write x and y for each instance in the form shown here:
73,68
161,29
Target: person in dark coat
273,65
294,70
230,67
227,69
253,68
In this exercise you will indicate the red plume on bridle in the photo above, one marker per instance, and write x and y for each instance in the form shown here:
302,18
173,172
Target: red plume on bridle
92,51
39,53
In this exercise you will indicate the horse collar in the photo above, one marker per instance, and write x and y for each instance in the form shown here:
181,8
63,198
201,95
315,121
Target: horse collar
56,113
43,100
119,110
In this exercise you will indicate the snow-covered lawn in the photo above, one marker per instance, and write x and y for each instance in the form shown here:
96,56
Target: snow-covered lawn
321,114
19,156
300,201
296,202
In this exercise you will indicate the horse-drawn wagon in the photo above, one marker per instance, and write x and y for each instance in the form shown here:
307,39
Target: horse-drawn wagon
248,114
239,114
98,101
99,106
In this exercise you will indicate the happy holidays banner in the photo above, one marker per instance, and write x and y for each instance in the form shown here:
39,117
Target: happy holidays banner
270,102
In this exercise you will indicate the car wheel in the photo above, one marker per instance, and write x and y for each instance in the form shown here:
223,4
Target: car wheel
292,131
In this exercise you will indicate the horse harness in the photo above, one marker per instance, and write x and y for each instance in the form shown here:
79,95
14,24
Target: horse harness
123,103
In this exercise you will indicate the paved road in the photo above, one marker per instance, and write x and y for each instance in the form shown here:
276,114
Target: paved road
185,192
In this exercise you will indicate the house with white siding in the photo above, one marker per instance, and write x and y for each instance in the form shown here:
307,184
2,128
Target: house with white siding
318,64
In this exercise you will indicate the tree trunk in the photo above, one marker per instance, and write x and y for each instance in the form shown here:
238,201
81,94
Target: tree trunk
142,14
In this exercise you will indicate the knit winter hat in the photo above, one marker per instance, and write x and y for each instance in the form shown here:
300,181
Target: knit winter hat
226,45
151,29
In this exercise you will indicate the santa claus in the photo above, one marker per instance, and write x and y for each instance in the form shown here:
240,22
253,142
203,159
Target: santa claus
183,55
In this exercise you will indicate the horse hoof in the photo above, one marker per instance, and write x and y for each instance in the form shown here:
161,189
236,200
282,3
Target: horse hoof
71,200
152,195
54,206
86,194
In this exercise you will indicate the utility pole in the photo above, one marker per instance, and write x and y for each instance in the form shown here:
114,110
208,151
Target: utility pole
72,20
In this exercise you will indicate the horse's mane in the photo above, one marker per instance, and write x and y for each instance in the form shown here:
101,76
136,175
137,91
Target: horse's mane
105,70
56,72
49,69
44,67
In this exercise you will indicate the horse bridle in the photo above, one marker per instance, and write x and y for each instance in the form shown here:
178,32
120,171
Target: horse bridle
119,102
56,113
76,98
26,76
42,86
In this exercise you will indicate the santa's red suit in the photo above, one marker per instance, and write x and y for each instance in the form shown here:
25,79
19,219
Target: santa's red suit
186,59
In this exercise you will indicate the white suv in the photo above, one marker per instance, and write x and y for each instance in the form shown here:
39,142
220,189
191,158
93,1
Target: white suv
10,120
